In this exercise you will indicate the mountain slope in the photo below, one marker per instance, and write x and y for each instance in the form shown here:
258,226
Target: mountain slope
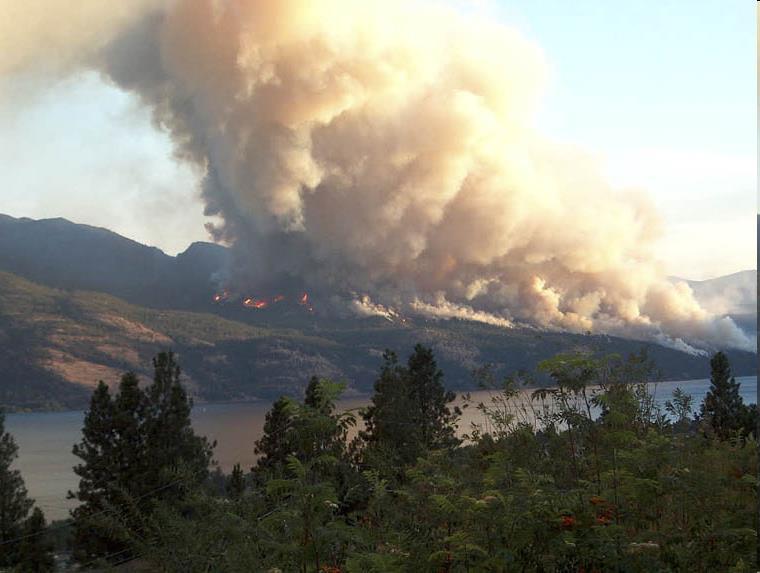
67,341
62,254
731,294
734,295
79,304
57,344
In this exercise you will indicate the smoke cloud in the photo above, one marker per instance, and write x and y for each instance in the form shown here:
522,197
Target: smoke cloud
387,148
55,36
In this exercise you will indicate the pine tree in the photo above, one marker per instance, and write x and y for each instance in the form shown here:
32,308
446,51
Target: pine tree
435,422
387,421
169,436
723,408
14,502
129,415
35,552
274,446
316,429
131,443
409,415
99,472
304,430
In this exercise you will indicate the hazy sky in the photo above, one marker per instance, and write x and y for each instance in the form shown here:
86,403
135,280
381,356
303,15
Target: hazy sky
663,95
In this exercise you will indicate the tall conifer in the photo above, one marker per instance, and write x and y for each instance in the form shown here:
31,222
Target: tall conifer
14,501
409,415
132,444
723,408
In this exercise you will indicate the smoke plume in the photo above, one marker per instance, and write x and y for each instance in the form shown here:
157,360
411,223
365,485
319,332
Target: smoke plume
384,151
55,36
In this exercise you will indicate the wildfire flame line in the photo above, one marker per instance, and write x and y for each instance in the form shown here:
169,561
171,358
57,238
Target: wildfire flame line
260,303
250,302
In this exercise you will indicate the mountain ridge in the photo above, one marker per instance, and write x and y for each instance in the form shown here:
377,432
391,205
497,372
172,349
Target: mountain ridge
62,254
61,332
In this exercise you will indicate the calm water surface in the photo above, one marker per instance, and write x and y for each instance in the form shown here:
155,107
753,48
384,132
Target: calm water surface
45,439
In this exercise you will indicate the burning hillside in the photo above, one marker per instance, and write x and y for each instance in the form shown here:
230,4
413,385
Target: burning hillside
385,148
260,303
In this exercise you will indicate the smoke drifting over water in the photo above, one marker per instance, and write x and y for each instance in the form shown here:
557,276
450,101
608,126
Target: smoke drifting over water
384,152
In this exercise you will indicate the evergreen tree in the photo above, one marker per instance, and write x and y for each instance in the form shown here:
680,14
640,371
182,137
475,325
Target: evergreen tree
435,423
129,415
313,434
316,396
169,437
409,415
235,486
14,502
130,444
316,429
320,442
387,418
723,408
112,451
274,446
35,552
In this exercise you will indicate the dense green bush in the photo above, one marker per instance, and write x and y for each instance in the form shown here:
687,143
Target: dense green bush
587,475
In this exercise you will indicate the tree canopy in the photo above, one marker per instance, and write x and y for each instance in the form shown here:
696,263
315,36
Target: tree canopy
131,443
584,474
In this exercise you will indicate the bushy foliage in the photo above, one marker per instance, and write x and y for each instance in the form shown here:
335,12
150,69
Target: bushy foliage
35,554
586,475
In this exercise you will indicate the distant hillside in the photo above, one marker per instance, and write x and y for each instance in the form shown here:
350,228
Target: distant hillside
56,344
66,255
62,254
734,295
730,294
79,304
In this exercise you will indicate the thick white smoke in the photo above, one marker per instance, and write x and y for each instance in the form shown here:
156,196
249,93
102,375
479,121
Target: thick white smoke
386,148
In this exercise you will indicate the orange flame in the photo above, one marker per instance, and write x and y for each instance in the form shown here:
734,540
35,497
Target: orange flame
250,302
221,296
278,298
304,298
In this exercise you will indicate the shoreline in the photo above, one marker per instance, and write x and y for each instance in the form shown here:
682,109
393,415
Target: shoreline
352,395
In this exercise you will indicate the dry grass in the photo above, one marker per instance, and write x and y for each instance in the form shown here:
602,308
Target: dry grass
78,371
135,330
122,353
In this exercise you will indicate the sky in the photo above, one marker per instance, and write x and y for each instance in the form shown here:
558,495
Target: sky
662,96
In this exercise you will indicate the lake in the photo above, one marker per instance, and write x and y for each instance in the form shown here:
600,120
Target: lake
45,439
